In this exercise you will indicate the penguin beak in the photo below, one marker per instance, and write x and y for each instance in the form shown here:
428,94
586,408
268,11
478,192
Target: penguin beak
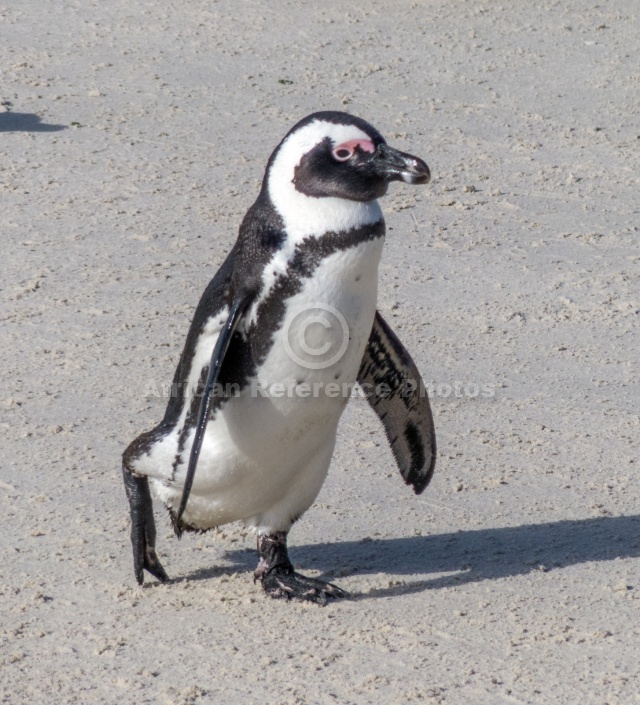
393,165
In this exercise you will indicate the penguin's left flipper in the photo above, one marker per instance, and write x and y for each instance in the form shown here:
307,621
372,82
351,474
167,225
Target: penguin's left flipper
143,528
237,308
394,388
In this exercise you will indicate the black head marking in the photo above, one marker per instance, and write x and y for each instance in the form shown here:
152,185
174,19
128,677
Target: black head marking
343,156
321,174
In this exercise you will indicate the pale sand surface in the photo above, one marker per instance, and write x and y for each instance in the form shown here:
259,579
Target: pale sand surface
515,577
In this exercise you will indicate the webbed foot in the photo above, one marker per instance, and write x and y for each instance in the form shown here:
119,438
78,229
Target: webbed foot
279,579
143,528
282,583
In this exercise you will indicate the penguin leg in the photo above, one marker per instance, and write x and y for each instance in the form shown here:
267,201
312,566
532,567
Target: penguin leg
279,579
143,527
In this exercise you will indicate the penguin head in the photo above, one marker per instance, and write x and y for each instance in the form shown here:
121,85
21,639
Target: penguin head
337,155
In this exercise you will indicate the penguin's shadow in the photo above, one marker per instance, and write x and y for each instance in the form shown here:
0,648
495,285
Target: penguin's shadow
461,557
26,122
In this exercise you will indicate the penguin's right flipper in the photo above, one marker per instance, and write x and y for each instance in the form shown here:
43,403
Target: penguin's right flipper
238,307
143,528
395,390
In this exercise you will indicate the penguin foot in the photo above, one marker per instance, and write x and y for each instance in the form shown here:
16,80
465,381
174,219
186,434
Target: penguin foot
143,528
279,579
285,583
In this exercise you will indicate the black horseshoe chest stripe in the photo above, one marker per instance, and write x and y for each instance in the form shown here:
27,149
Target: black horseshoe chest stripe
306,259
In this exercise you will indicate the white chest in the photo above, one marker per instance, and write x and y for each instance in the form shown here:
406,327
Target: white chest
266,452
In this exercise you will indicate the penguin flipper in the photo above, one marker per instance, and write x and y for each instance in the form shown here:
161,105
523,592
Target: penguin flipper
395,391
217,358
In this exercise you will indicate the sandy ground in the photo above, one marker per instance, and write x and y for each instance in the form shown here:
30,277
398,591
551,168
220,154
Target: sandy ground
133,139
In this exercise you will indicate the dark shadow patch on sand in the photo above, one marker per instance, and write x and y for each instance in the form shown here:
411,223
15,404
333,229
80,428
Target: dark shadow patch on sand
467,556
26,122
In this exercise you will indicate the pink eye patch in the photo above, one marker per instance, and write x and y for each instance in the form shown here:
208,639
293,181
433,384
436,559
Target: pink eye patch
345,151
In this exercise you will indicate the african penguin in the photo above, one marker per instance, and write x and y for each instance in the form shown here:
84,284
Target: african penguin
283,331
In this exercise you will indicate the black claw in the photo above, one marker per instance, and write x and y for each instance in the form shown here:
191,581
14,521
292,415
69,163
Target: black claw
154,567
143,528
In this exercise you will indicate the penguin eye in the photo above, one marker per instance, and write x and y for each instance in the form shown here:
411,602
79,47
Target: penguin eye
342,154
